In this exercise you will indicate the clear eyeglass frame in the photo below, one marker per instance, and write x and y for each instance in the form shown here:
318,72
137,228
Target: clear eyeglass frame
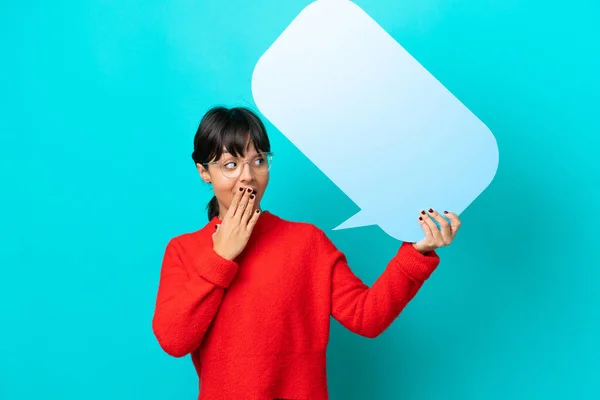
233,174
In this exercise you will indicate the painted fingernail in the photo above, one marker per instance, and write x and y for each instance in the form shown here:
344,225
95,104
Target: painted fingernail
249,190
257,210
431,210
421,218
445,212
252,196
422,212
216,226
241,189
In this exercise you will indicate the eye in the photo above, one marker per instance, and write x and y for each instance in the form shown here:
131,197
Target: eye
230,164
259,160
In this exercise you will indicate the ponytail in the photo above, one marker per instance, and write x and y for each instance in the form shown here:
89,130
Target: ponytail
213,208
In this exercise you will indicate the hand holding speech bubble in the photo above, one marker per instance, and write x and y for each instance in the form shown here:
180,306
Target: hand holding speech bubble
373,119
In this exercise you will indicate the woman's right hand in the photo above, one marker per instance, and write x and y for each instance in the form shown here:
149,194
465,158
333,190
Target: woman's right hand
233,233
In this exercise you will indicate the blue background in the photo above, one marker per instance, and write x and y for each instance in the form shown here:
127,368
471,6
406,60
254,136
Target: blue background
100,101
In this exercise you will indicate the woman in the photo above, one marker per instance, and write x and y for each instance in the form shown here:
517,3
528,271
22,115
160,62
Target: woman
250,295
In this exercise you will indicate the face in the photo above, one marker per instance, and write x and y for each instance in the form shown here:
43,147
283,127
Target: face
225,188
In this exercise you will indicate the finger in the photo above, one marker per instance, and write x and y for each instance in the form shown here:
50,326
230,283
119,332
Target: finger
253,220
249,209
234,203
445,229
455,221
437,236
242,205
426,229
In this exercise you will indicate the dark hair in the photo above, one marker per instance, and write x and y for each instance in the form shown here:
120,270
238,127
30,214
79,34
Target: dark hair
227,128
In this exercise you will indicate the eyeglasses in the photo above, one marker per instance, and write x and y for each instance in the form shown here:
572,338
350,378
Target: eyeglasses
232,168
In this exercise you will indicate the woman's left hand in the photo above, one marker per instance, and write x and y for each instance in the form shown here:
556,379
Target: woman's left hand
434,237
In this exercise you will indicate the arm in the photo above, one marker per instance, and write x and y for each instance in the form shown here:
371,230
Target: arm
186,302
369,311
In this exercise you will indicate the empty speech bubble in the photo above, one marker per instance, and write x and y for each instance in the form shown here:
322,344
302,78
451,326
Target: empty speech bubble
373,119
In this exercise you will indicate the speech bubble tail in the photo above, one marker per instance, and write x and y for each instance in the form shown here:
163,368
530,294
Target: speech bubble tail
356,221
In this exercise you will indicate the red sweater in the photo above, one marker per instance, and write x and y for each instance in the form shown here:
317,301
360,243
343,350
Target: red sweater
258,327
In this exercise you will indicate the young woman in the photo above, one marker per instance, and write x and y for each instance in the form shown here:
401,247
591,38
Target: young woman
250,294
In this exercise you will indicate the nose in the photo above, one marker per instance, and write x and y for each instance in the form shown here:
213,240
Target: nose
246,174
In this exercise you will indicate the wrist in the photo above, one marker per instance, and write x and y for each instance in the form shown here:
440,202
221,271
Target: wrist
222,254
420,250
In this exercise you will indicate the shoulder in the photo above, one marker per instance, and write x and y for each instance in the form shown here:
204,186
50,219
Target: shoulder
188,242
303,229
306,235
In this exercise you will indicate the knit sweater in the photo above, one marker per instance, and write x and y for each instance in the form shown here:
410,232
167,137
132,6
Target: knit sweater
257,327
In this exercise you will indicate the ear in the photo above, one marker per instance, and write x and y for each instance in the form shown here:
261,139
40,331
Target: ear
204,174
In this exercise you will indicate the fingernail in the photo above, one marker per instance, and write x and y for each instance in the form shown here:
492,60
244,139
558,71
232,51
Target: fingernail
421,218
249,190
252,196
216,226
257,210
431,210
241,189
445,212
422,212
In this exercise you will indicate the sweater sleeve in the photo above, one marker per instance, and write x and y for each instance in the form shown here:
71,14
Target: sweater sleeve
188,297
368,311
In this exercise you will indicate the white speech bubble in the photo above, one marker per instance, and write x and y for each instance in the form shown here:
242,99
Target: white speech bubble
373,119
